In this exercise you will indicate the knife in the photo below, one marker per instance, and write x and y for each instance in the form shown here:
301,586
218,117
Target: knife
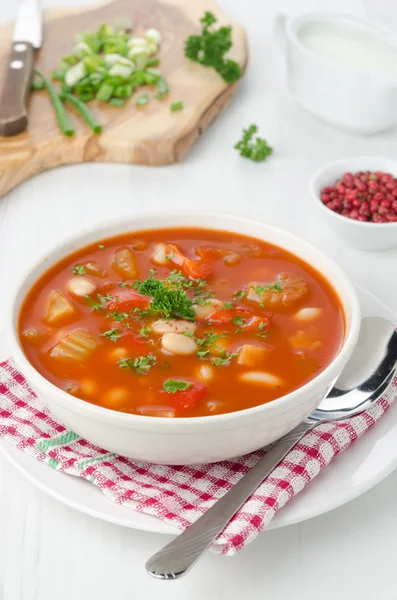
19,69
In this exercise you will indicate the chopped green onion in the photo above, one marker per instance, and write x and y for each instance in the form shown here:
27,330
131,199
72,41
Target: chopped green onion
85,113
176,106
117,102
153,62
142,100
162,88
105,92
60,113
37,85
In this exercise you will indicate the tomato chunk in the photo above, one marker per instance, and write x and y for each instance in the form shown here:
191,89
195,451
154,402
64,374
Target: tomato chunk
190,268
221,317
188,398
124,300
245,320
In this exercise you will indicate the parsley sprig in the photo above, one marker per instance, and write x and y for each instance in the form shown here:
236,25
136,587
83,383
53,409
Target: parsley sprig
170,302
209,49
173,385
254,148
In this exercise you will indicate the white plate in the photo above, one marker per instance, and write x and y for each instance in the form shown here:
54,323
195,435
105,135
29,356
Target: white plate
355,471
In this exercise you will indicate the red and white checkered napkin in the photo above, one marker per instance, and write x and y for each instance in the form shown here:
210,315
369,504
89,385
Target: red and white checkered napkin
178,495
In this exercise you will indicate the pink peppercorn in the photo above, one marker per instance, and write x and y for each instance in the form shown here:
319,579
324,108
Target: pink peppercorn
364,196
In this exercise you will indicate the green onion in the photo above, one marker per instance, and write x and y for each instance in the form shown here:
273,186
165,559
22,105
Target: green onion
176,106
153,62
105,92
60,113
37,85
117,101
85,113
142,100
162,88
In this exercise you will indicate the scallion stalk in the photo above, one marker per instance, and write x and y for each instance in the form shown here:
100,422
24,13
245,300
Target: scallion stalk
60,112
83,110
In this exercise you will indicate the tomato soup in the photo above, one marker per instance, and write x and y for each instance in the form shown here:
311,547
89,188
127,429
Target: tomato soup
181,323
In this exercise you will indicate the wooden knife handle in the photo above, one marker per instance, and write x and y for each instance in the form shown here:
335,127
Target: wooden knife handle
16,88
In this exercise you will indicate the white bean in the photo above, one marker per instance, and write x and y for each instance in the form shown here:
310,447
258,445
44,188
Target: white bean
115,397
165,326
159,256
205,373
203,311
118,353
308,314
176,343
215,406
81,287
261,378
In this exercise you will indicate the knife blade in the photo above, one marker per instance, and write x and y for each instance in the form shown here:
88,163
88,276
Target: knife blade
19,69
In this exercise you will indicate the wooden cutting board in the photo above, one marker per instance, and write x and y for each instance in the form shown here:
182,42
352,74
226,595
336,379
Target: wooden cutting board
151,135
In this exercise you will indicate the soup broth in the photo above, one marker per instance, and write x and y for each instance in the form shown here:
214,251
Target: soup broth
181,323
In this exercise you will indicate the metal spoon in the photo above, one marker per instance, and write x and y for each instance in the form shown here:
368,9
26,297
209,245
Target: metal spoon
365,377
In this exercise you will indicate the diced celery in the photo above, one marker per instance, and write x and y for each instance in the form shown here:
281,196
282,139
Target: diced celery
74,347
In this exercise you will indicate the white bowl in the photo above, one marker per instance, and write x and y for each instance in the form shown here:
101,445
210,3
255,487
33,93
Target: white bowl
196,439
357,234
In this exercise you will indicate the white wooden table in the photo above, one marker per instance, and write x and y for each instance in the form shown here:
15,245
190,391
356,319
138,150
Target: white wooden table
50,551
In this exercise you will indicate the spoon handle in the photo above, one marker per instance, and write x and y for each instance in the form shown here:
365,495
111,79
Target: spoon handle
177,557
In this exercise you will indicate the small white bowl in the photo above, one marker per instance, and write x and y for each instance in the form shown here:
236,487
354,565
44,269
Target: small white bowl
357,234
196,439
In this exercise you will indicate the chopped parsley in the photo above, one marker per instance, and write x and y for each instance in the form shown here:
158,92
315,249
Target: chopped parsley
172,385
224,358
228,305
202,354
101,246
144,332
262,329
94,304
189,333
79,270
261,289
238,320
112,334
170,255
209,49
209,339
140,364
119,316
122,284
240,294
254,148
104,299
171,303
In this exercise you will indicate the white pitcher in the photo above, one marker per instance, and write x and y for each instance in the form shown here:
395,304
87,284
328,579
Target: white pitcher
360,99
